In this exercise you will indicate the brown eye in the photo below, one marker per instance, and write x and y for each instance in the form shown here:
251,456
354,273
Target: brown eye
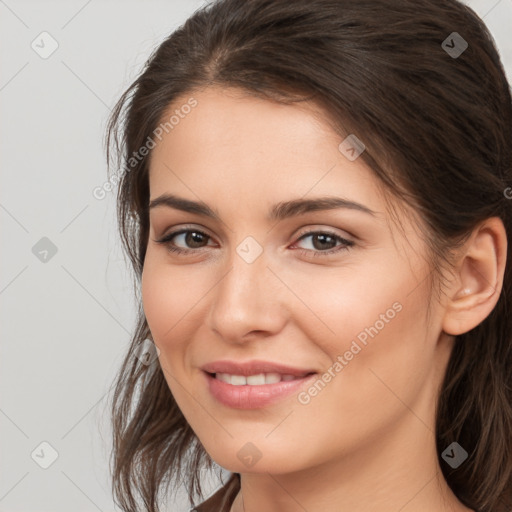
321,241
325,243
190,238
194,239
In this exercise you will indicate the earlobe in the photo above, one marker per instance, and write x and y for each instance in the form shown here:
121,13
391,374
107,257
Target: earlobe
478,281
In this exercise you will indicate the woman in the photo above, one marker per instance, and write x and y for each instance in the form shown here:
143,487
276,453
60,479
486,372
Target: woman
315,198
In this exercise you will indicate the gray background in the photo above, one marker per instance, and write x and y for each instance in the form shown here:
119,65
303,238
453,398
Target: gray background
66,320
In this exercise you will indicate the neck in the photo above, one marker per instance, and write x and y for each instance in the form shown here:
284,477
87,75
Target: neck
397,471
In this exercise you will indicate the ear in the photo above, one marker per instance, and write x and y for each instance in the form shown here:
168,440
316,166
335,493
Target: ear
478,281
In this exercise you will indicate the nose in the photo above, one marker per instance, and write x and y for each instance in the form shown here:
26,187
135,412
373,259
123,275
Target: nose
247,302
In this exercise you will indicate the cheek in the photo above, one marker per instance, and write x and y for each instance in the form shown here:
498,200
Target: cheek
169,296
351,303
168,301
173,298
158,300
375,333
364,395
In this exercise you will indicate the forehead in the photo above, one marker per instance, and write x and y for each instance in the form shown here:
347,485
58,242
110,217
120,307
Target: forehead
236,141
232,121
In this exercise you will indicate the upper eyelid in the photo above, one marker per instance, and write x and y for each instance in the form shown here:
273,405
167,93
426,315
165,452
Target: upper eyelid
331,231
184,229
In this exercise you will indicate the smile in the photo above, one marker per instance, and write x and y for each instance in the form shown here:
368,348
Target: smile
254,380
254,391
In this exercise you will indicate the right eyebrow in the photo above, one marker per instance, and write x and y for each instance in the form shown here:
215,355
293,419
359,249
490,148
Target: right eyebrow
186,205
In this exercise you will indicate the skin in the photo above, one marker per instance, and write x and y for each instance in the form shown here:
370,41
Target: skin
366,441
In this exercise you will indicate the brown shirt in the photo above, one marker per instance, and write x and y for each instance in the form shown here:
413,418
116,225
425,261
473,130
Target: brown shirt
222,500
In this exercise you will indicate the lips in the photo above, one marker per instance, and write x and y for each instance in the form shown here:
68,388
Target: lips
254,384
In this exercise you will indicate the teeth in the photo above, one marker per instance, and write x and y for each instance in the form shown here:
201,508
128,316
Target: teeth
238,380
270,378
253,380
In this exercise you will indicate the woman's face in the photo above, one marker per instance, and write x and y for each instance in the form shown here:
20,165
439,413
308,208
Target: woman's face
258,282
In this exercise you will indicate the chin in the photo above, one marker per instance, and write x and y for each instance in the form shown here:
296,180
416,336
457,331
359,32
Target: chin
249,459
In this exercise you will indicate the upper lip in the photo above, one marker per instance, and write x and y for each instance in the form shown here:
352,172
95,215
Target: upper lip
253,368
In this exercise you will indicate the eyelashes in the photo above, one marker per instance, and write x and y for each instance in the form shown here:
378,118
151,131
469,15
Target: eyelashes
191,236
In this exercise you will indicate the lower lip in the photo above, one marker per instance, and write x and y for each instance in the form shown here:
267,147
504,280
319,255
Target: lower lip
253,397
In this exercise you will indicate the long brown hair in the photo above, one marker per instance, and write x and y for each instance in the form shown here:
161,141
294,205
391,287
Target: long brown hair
436,118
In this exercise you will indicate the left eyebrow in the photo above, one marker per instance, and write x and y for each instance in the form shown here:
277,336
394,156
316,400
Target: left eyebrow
287,209
279,211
